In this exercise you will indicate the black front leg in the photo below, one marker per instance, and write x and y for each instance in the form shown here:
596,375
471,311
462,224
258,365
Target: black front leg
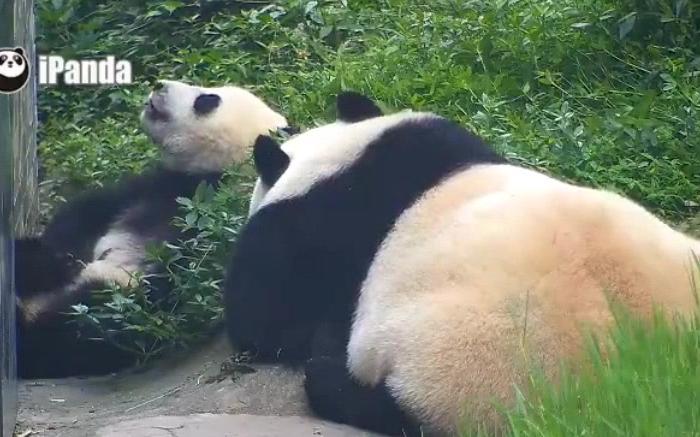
334,395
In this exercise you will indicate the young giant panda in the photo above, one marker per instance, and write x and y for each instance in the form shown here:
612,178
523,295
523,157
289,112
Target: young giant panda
422,276
100,237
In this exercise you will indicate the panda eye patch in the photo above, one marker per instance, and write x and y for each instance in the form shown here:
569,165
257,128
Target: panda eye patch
206,103
18,60
3,58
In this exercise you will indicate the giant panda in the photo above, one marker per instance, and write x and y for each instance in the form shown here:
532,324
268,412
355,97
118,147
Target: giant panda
100,237
418,276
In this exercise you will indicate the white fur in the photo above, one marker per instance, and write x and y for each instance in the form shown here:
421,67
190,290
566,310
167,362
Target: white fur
120,246
112,271
214,141
16,70
118,254
256,198
499,268
117,257
320,153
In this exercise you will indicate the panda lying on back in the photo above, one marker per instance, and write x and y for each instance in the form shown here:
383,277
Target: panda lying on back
417,272
100,237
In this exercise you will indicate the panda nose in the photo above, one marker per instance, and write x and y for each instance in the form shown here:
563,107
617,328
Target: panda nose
10,63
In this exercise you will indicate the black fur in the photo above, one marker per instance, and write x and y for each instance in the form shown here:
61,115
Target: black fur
353,107
144,205
32,257
335,396
290,130
270,160
147,202
53,347
299,263
204,104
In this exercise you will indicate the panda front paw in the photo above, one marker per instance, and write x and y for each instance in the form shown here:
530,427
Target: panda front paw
334,395
326,383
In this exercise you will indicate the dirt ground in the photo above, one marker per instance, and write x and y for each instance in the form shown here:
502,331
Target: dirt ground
184,396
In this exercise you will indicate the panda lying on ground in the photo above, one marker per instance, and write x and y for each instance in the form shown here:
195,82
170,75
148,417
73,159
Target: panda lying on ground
100,237
417,272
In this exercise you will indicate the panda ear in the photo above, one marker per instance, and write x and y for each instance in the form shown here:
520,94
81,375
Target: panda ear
353,107
20,50
270,160
290,130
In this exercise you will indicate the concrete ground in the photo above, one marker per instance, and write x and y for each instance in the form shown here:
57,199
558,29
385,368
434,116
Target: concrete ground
192,396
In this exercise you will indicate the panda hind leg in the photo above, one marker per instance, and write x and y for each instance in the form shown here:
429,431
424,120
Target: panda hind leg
334,395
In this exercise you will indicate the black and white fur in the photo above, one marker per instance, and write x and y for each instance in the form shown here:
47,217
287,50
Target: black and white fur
398,256
335,192
14,70
100,237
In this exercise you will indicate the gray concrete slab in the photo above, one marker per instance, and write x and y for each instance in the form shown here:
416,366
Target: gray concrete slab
226,425
184,386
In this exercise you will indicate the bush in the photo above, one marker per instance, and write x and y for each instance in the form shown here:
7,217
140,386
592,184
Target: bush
671,21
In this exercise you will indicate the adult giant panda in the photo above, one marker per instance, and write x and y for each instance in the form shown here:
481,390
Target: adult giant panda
421,275
100,237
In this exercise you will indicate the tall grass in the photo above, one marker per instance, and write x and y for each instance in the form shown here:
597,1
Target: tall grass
649,386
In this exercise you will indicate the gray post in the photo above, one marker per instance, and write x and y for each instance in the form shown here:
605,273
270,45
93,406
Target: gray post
18,190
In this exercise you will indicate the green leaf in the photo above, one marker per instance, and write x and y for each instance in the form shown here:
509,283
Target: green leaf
172,5
184,201
626,24
191,218
310,6
325,31
153,13
582,25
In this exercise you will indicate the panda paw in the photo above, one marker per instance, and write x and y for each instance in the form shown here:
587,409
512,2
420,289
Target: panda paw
334,395
325,384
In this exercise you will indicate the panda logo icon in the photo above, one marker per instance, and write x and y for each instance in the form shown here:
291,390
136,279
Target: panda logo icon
14,70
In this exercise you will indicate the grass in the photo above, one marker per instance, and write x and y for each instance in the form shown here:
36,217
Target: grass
600,92
649,386
642,380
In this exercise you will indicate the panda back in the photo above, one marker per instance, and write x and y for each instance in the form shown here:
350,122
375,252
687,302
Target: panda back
495,261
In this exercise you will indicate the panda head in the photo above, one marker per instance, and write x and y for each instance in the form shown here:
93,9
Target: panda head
272,160
206,129
14,69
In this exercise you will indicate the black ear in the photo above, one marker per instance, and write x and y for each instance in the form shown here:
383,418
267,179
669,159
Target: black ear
352,107
20,50
290,130
205,103
270,160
